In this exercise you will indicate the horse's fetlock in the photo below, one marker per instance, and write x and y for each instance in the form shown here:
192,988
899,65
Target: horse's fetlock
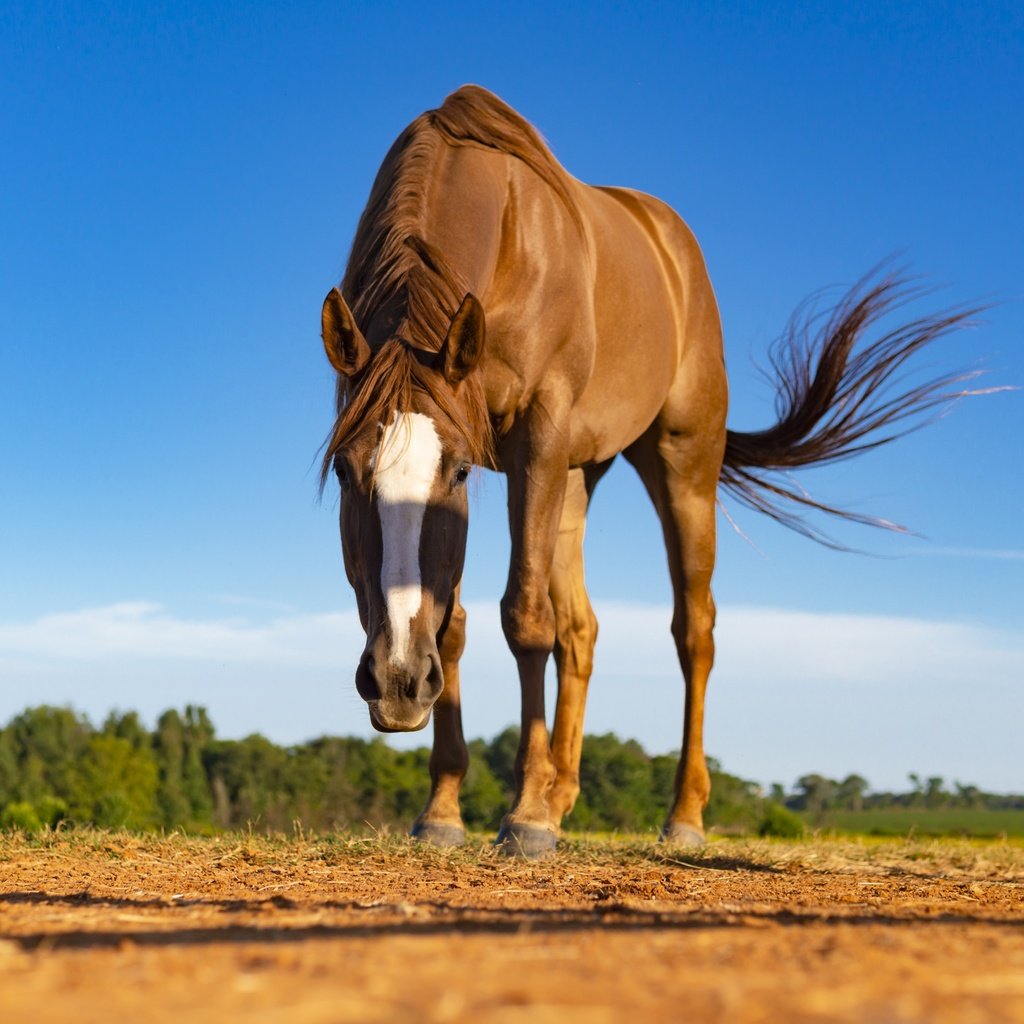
454,765
564,793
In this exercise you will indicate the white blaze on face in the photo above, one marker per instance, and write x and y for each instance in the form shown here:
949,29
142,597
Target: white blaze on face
406,464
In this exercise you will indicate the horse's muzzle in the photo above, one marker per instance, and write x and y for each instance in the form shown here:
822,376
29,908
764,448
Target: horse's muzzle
399,695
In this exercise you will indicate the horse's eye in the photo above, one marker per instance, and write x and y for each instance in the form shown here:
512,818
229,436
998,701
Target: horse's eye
339,470
462,474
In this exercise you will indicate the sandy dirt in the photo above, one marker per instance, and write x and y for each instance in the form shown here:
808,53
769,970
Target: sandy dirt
97,928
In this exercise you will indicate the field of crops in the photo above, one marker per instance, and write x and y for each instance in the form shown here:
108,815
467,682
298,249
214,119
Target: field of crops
899,821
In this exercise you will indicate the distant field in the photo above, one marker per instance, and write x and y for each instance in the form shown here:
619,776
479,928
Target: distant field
901,821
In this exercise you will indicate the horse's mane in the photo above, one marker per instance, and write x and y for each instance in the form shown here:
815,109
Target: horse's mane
390,259
394,273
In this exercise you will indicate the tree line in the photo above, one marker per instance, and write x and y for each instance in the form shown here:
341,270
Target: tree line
56,766
815,795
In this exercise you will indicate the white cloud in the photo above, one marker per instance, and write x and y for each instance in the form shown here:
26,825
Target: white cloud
852,649
792,691
145,630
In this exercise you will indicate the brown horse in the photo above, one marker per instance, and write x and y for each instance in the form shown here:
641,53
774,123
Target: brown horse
497,312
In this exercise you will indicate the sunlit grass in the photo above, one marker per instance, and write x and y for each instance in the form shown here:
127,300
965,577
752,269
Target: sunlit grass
949,857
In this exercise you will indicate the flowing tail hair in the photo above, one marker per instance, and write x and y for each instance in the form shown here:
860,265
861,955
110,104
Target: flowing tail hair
837,396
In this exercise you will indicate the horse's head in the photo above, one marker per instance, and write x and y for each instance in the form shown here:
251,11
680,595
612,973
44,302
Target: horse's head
402,450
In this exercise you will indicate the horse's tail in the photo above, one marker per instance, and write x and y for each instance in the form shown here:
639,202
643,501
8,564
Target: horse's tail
838,395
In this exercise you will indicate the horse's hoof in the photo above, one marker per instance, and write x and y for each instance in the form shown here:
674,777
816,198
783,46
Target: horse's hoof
684,837
438,834
527,841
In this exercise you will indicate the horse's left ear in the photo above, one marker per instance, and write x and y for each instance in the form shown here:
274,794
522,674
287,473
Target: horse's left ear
465,341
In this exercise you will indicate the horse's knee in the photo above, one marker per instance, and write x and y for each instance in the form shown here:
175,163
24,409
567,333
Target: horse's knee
693,633
453,641
528,622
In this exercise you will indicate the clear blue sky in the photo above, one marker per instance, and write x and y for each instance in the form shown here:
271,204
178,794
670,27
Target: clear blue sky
180,184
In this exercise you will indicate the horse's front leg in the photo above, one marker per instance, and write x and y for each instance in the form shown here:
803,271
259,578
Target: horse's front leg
441,821
535,456
575,636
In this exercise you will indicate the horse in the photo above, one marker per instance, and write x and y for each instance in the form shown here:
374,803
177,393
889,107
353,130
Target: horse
497,312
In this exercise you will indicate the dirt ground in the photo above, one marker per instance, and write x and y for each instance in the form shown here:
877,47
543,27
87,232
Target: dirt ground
99,927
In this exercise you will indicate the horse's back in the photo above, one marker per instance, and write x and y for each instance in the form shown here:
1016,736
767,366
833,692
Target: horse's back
679,277
655,318
599,309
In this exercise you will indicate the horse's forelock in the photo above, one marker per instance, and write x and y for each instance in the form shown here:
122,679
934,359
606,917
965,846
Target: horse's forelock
387,387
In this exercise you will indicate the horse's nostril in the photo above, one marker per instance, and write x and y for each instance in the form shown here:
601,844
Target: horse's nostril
424,684
366,679
433,680
412,686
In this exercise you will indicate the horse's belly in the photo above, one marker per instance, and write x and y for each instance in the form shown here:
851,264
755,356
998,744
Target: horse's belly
624,395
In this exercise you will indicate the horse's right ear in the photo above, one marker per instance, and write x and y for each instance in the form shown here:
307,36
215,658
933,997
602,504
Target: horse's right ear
344,343
465,341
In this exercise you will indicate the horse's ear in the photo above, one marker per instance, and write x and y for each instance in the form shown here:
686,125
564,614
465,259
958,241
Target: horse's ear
465,341
344,344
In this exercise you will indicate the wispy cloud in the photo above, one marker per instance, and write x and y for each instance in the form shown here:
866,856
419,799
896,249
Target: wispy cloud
146,630
1000,554
792,690
239,600
634,639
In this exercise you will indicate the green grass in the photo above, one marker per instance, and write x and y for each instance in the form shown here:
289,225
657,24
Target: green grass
902,821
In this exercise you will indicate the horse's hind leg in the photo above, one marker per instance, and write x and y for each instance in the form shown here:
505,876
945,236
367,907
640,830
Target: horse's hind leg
575,635
441,821
680,471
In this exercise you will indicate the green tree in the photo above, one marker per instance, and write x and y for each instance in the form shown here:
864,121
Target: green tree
394,784
253,772
818,793
339,800
935,794
10,775
307,783
127,726
501,755
615,786
169,752
116,785
484,798
850,792
48,745
198,738
735,803
916,796
20,814
663,782
777,820
968,796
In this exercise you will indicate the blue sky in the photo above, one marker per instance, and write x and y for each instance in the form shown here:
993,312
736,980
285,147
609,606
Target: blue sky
180,187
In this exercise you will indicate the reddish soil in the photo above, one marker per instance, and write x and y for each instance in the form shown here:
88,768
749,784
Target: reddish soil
98,927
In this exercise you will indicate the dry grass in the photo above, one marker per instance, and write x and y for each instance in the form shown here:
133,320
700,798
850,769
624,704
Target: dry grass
337,928
996,860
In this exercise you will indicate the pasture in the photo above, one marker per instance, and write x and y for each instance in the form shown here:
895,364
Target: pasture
982,823
98,925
